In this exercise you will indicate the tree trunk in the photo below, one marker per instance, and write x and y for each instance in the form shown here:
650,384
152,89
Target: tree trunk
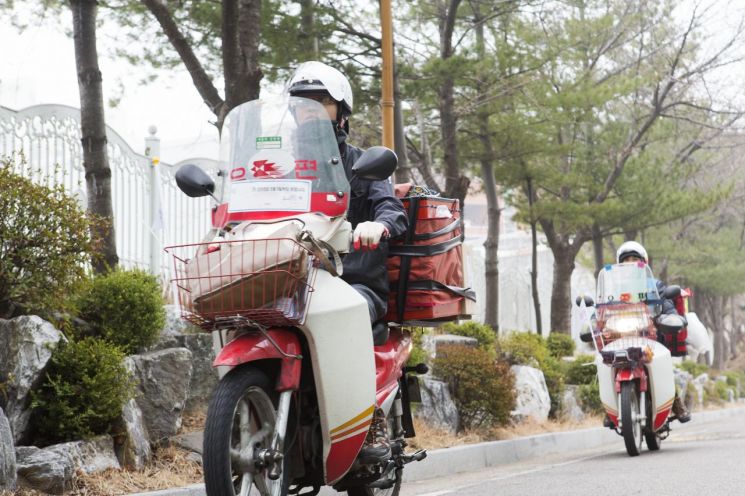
402,171
534,262
597,247
720,348
308,37
562,285
93,131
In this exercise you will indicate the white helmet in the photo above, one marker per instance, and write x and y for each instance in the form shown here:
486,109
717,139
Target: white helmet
317,77
630,248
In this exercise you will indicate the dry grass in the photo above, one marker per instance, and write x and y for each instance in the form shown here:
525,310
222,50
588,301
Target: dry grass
193,420
431,437
170,468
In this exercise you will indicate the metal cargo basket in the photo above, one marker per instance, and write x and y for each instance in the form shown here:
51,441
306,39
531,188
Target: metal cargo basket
266,281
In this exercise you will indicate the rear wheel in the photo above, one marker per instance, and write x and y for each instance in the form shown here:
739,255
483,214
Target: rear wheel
392,480
237,437
631,419
652,439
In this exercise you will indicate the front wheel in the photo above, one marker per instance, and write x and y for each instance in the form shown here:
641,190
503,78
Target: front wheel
237,437
630,419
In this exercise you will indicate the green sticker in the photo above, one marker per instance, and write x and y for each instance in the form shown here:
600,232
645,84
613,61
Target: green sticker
269,142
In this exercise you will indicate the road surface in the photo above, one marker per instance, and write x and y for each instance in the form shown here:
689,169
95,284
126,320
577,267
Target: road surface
698,459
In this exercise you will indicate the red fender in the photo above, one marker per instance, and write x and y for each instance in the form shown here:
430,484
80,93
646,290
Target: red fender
630,374
255,346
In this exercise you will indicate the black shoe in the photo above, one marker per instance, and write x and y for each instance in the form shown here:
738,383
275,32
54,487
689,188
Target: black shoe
607,423
377,447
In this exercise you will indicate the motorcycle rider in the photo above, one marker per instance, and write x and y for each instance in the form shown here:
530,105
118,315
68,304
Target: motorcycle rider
374,212
631,252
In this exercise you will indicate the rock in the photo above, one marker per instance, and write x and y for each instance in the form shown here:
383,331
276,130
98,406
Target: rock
682,380
91,456
731,395
570,407
134,450
163,386
43,470
437,406
204,376
191,441
430,342
7,455
532,399
27,344
699,384
175,325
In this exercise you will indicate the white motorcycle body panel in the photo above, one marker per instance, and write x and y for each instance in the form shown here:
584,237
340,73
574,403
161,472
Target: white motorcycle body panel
340,338
661,382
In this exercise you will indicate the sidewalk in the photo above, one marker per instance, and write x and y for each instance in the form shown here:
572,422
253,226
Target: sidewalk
473,457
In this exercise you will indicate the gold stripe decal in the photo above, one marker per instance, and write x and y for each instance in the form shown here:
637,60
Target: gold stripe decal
362,416
666,404
363,427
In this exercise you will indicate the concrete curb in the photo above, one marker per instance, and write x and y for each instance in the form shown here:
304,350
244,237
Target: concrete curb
473,457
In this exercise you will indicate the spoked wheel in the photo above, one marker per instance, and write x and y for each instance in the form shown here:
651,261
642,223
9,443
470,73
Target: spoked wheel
237,437
631,419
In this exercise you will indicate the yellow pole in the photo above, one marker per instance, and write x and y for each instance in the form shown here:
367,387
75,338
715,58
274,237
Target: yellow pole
387,101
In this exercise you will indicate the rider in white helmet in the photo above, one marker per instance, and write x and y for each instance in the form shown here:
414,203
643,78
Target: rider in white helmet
374,212
631,252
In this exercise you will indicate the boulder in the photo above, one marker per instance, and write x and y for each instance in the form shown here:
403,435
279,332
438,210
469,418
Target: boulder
532,398
7,455
46,471
204,376
133,449
27,344
682,380
570,407
699,385
51,469
175,325
430,342
437,405
163,386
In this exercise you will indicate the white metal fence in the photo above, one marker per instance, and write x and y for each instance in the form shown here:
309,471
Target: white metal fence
150,212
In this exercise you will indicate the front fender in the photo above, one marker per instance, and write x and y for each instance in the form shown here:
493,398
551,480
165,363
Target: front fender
630,374
255,346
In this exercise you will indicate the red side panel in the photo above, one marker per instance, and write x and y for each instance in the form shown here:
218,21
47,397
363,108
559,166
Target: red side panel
254,346
660,418
389,359
342,455
326,203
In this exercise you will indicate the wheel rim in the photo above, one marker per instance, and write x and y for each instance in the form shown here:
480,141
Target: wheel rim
253,424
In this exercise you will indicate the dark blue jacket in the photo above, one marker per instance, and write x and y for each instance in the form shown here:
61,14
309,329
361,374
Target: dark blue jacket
370,201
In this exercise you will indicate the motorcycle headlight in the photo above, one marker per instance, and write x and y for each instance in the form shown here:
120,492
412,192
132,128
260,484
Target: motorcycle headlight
622,326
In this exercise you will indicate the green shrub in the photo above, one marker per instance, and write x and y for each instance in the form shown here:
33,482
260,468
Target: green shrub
83,391
482,388
523,348
125,308
736,380
553,373
693,368
582,370
483,333
560,345
588,396
45,245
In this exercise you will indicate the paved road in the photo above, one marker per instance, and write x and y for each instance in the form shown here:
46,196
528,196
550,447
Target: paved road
697,460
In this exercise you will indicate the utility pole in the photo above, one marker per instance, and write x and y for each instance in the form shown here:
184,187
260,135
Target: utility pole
387,100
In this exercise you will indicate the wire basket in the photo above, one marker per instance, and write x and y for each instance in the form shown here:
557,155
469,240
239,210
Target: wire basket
630,321
265,281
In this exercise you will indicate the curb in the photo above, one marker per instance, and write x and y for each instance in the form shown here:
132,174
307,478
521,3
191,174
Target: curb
473,457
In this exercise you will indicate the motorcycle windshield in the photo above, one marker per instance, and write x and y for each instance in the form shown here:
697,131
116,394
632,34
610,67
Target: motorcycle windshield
282,159
627,283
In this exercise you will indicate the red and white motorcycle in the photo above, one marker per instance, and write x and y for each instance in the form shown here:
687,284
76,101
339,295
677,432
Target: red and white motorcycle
304,376
634,370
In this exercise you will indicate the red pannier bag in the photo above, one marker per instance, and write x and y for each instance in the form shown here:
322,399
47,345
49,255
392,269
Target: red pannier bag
425,266
676,341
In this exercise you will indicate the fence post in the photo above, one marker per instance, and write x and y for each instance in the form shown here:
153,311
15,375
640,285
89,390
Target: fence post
152,152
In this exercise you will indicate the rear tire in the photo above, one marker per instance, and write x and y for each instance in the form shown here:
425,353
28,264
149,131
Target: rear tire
243,403
650,437
396,475
630,413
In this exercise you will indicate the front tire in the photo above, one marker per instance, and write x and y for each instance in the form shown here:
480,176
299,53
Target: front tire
630,415
240,422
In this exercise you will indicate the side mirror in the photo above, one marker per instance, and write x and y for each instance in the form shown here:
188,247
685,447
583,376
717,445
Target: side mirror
194,182
589,302
377,163
671,292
